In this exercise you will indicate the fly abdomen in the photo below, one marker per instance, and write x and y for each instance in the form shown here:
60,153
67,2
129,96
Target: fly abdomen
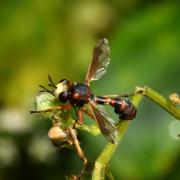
100,100
114,102
124,108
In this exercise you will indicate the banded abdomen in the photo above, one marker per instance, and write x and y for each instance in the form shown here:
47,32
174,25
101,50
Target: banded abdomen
123,107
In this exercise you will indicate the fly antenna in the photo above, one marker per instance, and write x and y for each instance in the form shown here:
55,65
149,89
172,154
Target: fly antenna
51,81
45,89
50,85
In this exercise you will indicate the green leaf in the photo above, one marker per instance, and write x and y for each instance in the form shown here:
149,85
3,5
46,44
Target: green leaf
45,101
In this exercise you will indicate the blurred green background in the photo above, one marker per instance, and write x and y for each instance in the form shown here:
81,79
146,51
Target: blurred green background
57,37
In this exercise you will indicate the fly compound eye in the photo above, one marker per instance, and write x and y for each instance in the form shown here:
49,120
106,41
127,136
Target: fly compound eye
63,97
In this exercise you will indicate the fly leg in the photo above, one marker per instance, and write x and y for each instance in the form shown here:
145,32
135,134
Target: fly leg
79,114
62,107
76,145
79,151
88,113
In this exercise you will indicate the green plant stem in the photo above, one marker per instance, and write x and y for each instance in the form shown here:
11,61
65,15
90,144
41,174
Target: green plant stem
105,156
160,100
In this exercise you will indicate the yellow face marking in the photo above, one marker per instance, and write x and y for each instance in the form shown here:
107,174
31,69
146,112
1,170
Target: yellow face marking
61,87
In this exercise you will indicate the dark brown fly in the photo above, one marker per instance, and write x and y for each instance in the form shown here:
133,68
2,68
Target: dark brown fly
77,95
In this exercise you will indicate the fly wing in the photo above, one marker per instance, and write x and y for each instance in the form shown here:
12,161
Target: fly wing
104,121
99,62
119,96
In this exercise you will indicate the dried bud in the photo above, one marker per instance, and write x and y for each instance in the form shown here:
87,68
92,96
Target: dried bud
57,134
174,98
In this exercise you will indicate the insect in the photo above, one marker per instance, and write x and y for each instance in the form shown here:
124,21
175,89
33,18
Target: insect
77,95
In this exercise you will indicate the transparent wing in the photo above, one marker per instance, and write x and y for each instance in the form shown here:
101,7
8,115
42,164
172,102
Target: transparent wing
99,62
119,96
106,124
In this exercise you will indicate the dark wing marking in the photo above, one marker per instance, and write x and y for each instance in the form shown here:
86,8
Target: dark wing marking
104,121
99,62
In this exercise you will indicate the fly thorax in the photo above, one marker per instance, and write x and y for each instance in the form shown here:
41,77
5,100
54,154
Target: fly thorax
80,93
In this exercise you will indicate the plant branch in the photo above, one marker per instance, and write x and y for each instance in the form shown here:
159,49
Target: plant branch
160,100
105,156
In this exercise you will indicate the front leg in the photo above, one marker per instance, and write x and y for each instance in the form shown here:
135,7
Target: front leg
62,107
